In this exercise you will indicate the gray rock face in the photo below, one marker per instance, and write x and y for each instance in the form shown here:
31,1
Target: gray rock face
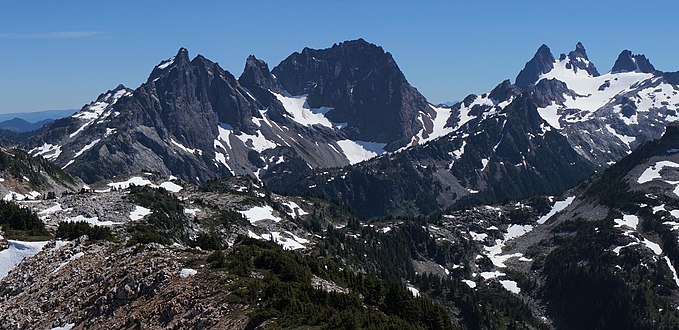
628,62
548,91
363,85
579,61
196,121
542,62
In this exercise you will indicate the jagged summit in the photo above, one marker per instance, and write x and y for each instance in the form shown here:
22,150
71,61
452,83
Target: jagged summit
364,87
578,60
542,62
257,74
504,91
628,62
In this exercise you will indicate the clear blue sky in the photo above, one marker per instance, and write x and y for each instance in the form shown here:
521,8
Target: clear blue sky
62,54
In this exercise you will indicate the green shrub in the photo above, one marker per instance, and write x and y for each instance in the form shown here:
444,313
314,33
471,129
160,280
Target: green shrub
73,230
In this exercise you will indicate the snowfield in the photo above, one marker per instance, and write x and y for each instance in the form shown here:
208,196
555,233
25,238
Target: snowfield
15,253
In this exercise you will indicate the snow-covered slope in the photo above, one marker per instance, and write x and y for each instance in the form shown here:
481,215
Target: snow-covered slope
605,116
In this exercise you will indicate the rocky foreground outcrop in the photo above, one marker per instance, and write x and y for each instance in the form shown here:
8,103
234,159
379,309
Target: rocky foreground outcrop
105,285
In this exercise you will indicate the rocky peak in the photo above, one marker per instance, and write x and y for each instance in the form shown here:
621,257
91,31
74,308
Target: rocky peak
182,56
257,74
504,91
628,62
364,86
578,60
549,91
542,62
523,112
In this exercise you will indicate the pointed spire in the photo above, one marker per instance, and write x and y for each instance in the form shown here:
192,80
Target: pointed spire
257,74
579,61
182,56
542,62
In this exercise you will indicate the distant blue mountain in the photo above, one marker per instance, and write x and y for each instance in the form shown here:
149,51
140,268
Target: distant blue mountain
20,125
37,116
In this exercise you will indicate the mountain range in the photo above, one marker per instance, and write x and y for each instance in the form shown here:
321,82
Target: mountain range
547,202
334,107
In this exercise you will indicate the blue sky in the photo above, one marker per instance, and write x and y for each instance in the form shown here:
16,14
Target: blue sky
62,54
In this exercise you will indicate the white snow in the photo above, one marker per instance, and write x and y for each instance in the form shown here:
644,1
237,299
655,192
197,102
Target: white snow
171,186
510,286
617,249
185,148
489,275
653,246
52,209
191,211
464,116
413,290
94,221
558,207
470,283
550,115
164,64
296,209
653,172
288,243
672,224
139,213
494,253
674,271
137,181
15,253
478,237
514,231
47,151
358,151
85,148
14,196
257,142
67,326
258,213
187,272
300,112
630,221
221,150
73,257
438,129
95,110
587,87
484,162
624,138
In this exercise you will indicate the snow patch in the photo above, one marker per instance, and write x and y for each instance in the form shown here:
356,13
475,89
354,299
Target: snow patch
470,283
300,112
358,151
510,286
15,253
187,272
558,207
137,181
73,257
171,186
259,213
653,172
94,221
139,213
